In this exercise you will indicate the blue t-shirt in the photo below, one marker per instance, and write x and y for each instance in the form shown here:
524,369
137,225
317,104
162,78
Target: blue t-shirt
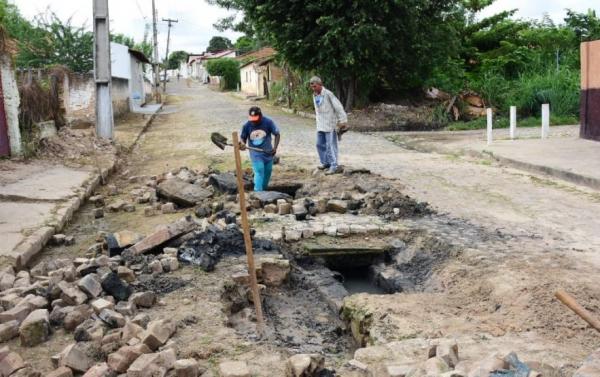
259,136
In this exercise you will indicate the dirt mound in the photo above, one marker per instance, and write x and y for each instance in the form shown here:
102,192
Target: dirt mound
390,117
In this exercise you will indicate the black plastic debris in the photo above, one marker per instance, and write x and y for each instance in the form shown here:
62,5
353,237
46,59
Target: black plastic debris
206,248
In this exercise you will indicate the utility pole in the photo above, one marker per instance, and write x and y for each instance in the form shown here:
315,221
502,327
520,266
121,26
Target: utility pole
155,59
102,73
170,21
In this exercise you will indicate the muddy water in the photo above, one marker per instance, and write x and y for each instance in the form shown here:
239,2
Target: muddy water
357,280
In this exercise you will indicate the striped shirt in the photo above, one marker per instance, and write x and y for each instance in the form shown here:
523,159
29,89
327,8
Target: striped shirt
329,111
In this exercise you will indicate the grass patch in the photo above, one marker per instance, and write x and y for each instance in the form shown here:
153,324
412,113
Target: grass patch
504,122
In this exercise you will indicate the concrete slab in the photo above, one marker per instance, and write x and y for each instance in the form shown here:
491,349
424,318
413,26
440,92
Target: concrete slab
45,183
16,219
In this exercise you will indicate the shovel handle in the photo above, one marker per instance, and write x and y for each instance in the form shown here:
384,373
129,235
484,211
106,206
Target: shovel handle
570,302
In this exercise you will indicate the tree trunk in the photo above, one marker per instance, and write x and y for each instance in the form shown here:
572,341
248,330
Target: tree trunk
350,94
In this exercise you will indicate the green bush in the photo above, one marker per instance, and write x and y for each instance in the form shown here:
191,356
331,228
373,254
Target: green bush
228,69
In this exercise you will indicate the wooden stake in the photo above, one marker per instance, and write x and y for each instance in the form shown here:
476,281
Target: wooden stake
570,302
260,325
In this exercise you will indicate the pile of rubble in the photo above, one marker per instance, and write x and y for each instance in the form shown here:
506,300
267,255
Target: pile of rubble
97,300
420,357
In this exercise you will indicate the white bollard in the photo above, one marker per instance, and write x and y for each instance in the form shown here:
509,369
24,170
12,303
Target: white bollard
489,126
513,122
545,120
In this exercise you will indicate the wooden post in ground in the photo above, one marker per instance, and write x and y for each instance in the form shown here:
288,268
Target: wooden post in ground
489,126
513,122
545,120
247,240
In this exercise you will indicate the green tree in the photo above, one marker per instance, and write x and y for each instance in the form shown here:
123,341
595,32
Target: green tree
245,44
175,59
354,44
218,43
227,68
122,39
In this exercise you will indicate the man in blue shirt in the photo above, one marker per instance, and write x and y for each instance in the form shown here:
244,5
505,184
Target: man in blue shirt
257,133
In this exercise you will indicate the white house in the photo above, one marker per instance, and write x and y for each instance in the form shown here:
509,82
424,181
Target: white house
128,65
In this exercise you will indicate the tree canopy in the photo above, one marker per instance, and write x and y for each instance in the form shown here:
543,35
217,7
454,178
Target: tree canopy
218,43
175,59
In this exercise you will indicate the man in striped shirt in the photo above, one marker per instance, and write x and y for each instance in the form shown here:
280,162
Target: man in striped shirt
331,119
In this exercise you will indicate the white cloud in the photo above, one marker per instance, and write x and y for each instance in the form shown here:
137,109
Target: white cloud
556,9
191,33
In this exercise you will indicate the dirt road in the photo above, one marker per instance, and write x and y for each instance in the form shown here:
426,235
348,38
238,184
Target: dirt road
508,238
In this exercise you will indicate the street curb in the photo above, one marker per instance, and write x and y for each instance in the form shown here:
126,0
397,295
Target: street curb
31,246
578,179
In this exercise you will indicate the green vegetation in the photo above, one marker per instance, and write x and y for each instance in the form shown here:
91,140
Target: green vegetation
387,50
228,69
175,59
218,43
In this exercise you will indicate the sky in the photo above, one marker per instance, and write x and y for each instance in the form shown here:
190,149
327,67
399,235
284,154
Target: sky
196,17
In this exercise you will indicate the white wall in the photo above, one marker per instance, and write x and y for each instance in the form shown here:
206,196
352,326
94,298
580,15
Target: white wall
249,80
120,63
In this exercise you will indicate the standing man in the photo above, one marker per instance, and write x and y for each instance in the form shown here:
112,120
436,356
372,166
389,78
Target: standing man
256,133
331,119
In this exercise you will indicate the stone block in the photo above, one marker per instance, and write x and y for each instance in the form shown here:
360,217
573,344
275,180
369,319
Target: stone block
122,359
399,371
7,281
146,365
304,365
186,368
100,304
35,329
131,330
284,208
90,285
234,369
100,370
18,313
339,206
60,372
157,333
10,363
270,208
97,200
168,208
126,274
484,367
112,318
9,330
72,295
126,308
143,299
89,330
292,235
73,319
75,358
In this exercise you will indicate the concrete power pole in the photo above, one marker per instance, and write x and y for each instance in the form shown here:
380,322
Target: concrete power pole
170,21
155,53
102,73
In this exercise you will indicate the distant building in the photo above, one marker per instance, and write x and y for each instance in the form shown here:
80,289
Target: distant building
259,72
197,64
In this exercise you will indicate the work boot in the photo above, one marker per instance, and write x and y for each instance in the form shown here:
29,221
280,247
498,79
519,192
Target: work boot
323,167
335,170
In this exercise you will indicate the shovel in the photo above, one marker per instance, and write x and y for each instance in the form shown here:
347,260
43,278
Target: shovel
221,142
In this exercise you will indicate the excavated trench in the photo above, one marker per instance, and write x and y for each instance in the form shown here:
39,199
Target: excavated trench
304,314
